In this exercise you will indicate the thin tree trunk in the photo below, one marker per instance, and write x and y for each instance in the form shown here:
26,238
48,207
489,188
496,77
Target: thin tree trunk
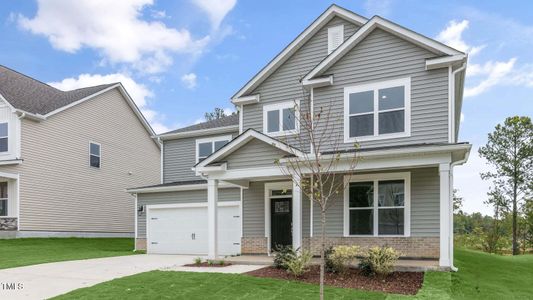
322,252
515,242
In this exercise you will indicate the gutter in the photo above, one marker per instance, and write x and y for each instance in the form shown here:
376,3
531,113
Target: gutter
27,115
452,104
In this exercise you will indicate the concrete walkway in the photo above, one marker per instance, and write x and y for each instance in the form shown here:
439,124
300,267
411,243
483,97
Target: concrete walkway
53,279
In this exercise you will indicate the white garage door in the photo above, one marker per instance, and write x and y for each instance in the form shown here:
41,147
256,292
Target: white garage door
182,229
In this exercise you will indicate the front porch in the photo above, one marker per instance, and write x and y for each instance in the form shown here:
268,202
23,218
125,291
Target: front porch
402,265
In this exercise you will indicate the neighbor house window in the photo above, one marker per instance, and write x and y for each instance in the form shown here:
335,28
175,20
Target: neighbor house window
3,199
379,110
208,146
377,205
95,155
4,139
280,119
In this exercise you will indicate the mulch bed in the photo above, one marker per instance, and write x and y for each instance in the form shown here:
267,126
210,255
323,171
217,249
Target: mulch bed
407,283
205,264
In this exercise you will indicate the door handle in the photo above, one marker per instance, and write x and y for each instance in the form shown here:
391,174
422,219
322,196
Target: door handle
193,236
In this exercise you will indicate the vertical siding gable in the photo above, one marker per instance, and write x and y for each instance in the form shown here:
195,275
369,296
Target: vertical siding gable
283,84
382,56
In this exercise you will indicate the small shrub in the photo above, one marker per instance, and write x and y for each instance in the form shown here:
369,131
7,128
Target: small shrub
379,261
198,261
299,264
211,262
328,262
341,257
221,262
282,255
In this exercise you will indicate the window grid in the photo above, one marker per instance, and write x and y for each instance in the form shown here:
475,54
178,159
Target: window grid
375,209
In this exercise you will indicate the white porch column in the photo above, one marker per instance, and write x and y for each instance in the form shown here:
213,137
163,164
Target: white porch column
212,199
296,213
445,216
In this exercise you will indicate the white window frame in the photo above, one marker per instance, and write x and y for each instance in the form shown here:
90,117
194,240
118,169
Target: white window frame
280,107
99,156
6,137
405,82
376,178
331,31
7,200
211,140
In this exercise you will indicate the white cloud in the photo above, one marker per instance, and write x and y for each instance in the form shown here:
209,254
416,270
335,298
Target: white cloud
215,9
494,72
462,117
138,92
189,80
114,28
378,7
452,36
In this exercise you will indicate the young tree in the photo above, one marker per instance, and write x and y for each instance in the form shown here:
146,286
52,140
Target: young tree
316,172
510,151
457,202
217,113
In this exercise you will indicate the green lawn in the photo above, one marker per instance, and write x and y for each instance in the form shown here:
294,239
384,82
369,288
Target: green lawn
481,276
31,251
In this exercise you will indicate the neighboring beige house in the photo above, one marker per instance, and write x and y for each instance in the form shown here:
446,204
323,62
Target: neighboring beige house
394,91
66,158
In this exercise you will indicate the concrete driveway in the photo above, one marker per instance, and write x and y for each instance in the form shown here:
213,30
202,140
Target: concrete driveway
53,279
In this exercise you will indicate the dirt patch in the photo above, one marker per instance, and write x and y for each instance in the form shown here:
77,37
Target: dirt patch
407,283
205,264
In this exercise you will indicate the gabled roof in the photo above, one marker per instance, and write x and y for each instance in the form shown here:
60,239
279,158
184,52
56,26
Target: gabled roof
36,97
393,28
297,43
241,140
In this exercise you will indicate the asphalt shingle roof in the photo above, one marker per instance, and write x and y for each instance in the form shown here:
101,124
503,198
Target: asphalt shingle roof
222,122
31,95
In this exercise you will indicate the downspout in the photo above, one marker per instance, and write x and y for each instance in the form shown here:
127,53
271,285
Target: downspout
460,162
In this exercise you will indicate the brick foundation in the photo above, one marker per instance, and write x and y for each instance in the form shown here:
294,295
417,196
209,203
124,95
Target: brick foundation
411,247
254,245
140,244
8,223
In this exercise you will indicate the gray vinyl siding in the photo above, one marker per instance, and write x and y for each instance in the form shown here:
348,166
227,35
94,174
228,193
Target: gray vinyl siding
425,214
283,85
179,156
382,56
253,208
196,196
59,191
254,154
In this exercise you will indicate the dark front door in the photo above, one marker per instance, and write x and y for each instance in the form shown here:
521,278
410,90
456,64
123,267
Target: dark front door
280,222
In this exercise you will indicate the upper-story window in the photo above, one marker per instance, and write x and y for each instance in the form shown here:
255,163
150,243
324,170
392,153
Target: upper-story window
378,110
280,119
335,37
207,146
4,137
95,155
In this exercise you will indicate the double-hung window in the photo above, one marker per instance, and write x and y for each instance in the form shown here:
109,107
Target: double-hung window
4,137
378,110
95,155
377,205
208,146
3,199
281,118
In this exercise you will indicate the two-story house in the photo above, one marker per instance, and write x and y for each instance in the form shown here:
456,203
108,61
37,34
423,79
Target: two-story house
395,92
66,158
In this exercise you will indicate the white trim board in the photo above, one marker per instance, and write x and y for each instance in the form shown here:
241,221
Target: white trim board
375,178
297,43
378,22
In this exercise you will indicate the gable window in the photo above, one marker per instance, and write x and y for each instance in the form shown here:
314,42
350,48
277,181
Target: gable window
3,199
379,110
377,205
4,139
94,155
335,37
280,119
208,146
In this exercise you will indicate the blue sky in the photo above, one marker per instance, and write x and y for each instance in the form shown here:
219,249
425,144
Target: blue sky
179,59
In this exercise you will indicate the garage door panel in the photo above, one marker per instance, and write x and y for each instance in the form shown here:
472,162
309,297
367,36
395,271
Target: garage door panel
183,230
